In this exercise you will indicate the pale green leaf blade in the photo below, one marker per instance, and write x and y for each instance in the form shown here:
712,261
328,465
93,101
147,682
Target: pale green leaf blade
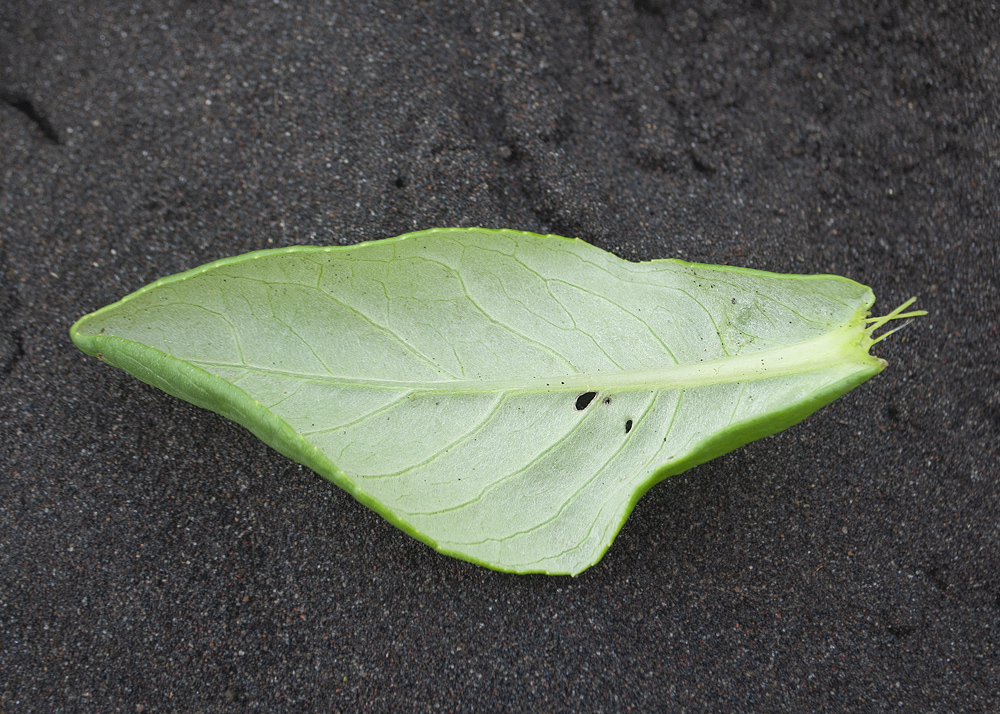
502,396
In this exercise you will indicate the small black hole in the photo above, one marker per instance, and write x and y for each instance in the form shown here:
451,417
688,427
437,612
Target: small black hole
400,182
607,400
628,426
584,400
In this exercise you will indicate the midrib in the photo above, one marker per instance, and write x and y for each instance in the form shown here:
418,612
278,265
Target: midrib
839,348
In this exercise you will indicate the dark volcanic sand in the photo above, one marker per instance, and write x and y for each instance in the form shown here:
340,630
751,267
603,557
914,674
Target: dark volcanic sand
154,557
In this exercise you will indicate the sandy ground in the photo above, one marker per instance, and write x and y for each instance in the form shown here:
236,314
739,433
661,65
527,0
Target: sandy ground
155,557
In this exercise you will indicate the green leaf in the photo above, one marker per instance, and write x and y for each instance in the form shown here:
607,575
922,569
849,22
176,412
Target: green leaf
502,396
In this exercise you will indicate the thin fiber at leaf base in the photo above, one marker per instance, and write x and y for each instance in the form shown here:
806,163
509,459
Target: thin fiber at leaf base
504,397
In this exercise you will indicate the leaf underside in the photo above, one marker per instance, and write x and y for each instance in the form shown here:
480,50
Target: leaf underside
502,396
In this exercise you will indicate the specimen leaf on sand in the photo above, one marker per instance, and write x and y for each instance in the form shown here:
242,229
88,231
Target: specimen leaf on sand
502,396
